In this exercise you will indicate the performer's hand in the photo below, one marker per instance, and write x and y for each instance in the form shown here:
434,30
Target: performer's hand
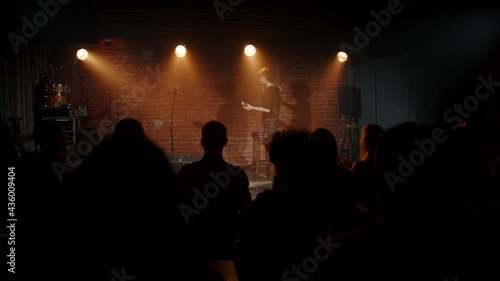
246,106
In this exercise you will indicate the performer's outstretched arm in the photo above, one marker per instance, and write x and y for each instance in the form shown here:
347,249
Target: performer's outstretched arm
247,106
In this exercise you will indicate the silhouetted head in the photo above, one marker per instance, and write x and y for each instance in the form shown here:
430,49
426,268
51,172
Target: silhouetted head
326,144
294,155
371,135
213,136
268,73
418,176
129,128
398,141
50,136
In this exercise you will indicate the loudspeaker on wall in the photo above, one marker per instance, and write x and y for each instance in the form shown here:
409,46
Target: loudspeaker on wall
350,101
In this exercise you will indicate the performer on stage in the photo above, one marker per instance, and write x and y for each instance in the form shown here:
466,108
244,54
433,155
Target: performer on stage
271,101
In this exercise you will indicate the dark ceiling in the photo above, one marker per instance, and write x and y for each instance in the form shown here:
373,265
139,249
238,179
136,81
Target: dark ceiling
84,21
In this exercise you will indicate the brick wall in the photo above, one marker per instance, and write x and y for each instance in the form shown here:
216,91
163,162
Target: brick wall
119,81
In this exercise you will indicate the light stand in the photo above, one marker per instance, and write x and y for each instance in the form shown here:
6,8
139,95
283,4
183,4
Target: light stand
351,135
350,138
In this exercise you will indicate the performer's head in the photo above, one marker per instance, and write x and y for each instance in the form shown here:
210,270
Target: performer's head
213,137
267,75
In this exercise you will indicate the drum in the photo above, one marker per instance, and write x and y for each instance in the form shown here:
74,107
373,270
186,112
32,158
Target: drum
57,99
56,94
61,88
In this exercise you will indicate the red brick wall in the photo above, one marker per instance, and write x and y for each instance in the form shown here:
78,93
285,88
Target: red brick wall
116,82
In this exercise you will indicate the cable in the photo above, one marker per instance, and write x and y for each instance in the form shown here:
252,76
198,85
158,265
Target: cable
171,113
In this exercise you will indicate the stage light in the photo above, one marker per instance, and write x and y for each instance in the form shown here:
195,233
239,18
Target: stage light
342,57
250,50
180,51
82,54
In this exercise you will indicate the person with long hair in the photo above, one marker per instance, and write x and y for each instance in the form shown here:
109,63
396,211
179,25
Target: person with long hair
364,168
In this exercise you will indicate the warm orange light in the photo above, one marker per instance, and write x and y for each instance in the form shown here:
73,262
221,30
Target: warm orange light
342,57
180,51
250,50
82,54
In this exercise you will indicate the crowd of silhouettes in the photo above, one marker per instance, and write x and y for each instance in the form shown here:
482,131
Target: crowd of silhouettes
397,212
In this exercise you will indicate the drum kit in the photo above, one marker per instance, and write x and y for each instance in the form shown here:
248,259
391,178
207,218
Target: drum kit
56,95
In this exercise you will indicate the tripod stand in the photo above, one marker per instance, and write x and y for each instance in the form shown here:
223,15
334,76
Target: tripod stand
350,139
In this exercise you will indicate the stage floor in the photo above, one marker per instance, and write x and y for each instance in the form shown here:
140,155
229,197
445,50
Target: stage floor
257,187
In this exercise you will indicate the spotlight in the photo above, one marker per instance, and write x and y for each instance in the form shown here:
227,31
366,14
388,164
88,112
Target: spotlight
82,54
180,51
250,50
342,57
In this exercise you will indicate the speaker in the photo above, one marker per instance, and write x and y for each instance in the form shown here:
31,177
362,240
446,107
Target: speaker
179,160
350,101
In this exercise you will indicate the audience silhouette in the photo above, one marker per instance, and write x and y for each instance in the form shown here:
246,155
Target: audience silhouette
128,215
129,128
338,181
282,225
425,195
43,200
125,213
223,192
364,170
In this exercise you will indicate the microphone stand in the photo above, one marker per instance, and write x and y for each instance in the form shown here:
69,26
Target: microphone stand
171,113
